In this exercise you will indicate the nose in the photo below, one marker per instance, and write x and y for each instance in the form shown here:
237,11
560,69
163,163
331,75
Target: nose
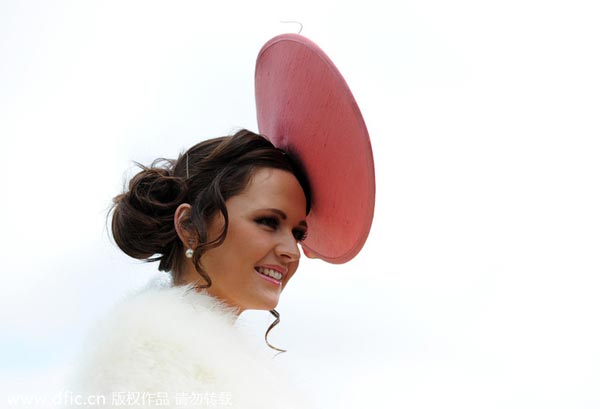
288,249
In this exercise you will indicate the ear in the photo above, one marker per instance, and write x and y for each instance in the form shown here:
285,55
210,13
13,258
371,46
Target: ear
184,230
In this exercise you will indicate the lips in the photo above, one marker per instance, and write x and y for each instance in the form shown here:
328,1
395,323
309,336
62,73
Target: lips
273,273
269,278
270,273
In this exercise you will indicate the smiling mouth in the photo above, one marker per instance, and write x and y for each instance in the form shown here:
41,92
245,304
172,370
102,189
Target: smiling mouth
268,272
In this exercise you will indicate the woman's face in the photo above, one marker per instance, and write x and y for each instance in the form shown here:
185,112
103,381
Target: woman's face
261,251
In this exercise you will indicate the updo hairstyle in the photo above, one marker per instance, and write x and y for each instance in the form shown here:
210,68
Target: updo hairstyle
205,176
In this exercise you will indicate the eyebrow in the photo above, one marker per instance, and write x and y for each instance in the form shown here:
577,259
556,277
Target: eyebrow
284,216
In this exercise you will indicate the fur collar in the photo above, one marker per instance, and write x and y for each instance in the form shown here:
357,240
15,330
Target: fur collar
178,341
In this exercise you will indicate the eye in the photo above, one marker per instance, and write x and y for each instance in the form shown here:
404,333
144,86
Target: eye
271,222
300,235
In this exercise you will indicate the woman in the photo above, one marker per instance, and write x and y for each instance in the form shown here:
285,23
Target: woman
224,220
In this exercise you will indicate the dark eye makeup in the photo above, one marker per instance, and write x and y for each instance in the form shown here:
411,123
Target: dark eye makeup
269,221
300,235
273,223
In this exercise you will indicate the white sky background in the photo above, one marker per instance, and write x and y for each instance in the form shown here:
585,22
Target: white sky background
478,287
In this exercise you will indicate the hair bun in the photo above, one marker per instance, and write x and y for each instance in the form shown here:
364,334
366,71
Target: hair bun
142,223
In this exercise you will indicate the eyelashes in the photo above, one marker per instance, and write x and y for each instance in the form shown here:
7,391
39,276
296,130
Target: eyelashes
300,235
273,223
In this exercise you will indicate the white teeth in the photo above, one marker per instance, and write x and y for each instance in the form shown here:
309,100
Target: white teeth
270,272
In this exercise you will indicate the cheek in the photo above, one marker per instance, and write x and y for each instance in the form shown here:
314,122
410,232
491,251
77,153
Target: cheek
247,243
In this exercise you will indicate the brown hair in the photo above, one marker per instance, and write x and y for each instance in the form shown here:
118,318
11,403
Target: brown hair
205,176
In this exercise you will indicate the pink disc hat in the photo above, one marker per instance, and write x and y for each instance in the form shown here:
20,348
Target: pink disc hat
305,107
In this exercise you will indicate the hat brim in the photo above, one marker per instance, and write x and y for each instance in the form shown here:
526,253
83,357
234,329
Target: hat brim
304,106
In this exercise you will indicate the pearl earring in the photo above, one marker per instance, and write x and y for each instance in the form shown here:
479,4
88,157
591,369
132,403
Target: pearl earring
189,253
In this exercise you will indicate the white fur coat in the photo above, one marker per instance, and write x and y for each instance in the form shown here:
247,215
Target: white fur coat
173,347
